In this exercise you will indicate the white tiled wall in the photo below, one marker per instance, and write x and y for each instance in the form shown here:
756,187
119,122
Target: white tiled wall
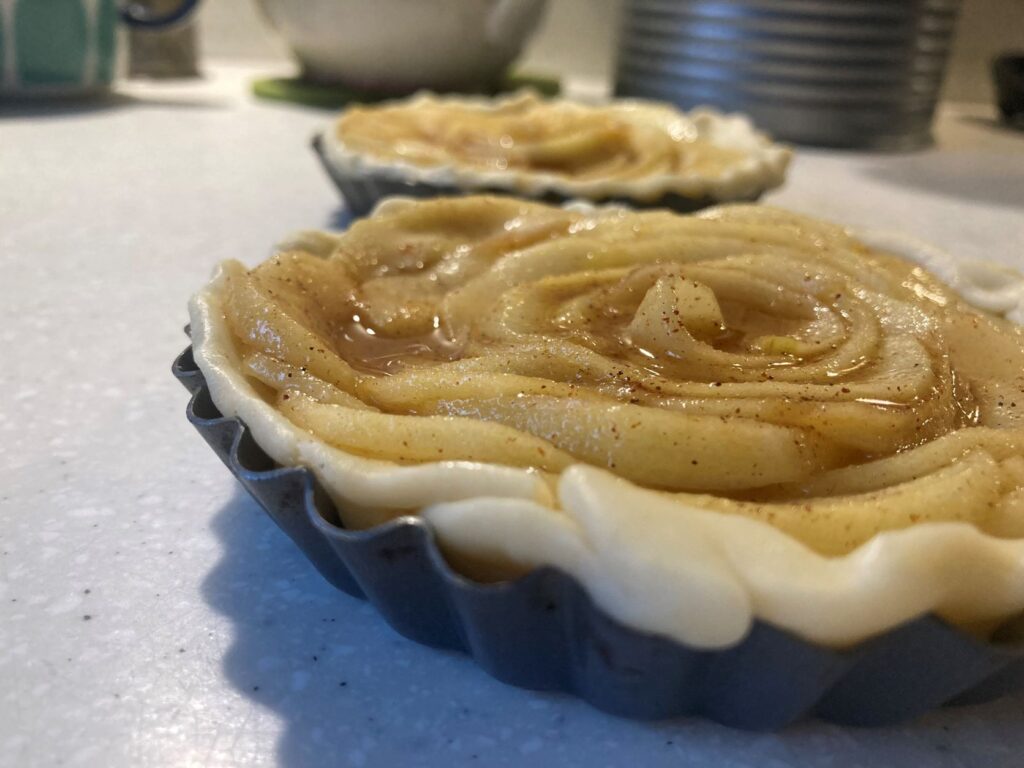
579,38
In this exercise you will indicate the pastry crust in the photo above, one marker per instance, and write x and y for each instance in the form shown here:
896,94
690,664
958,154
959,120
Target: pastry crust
746,163
652,560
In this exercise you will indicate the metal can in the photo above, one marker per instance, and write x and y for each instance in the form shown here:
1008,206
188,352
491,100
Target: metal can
844,73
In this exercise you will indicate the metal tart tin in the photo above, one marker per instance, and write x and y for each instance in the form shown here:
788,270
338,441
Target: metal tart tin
543,632
362,191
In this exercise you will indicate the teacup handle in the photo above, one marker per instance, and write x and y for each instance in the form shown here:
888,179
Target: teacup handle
136,14
507,19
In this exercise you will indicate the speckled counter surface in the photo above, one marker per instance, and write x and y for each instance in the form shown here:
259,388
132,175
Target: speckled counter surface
151,615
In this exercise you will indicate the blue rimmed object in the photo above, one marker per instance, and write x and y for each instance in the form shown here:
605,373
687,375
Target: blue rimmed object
543,632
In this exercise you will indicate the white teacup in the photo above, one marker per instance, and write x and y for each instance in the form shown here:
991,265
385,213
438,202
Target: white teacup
398,46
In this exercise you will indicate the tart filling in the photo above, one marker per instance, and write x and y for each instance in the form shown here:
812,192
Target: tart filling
521,143
704,419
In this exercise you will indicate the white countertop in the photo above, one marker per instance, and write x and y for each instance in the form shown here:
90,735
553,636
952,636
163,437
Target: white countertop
151,615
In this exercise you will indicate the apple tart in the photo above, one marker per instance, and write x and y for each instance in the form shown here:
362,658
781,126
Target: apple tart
707,420
643,154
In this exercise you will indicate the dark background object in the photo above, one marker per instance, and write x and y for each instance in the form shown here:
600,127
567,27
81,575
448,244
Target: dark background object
1008,73
165,52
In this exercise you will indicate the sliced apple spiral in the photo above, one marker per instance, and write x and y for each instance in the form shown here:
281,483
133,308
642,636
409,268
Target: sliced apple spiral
745,360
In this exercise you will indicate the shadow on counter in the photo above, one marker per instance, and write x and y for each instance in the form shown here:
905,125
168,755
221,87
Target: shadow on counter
965,176
352,692
349,689
103,103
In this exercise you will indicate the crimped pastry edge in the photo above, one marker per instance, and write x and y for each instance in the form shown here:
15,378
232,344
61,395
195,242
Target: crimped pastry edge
764,168
702,577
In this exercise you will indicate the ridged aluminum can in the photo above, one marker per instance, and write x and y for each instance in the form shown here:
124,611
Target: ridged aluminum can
843,73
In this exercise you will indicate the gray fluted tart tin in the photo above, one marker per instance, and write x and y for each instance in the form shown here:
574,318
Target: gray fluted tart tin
543,632
362,191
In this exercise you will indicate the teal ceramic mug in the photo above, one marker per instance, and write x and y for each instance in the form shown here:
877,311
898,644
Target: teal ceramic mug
67,47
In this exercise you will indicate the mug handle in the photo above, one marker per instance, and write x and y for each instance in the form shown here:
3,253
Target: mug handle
135,14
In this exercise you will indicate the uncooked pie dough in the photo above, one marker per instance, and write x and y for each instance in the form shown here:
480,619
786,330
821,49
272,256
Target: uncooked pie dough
709,418
625,149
